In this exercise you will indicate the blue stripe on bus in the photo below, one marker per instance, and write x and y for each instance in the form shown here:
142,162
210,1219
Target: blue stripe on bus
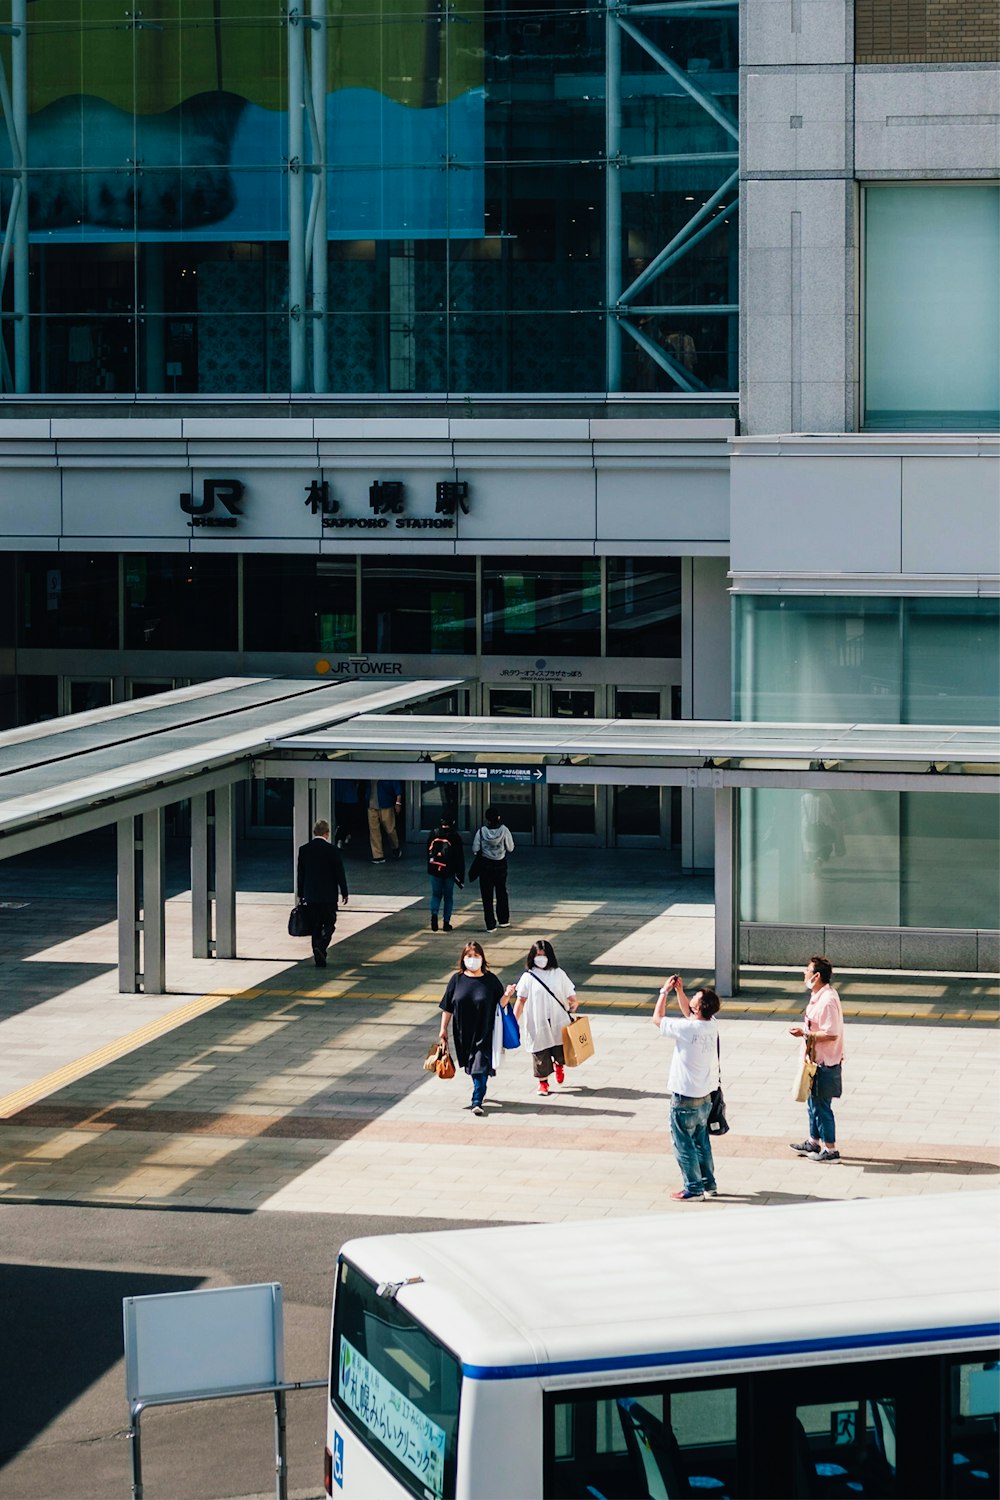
735,1351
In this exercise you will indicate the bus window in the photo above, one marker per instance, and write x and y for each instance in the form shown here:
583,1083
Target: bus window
395,1386
846,1447
974,1429
650,1442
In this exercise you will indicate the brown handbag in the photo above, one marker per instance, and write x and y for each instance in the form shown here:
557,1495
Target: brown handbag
445,1064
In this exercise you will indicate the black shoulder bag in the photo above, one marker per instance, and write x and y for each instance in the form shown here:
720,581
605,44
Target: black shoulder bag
717,1122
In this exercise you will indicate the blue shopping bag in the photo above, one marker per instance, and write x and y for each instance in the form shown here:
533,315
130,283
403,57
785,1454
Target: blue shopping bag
511,1030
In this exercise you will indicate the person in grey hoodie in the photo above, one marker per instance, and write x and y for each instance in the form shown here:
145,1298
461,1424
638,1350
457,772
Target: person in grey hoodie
493,843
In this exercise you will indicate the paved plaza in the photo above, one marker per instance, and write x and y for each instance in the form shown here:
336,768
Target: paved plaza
264,1084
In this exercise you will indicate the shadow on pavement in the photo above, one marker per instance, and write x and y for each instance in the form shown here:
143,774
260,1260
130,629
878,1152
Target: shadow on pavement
62,1331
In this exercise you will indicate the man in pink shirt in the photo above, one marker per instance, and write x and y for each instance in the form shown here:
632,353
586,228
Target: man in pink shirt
823,1032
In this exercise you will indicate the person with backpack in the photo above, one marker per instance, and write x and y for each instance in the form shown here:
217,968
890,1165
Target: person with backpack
446,868
492,844
546,996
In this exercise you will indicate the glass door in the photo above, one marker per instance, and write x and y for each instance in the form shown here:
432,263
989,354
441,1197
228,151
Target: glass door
517,804
573,809
82,694
640,814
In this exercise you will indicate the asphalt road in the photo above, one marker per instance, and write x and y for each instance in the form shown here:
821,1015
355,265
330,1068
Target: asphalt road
63,1413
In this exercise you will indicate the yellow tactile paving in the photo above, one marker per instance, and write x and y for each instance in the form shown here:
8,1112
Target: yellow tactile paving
40,1088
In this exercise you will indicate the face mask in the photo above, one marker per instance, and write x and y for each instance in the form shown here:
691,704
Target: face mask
540,961
472,961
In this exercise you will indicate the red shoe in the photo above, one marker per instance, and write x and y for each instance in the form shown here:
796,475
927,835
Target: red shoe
543,1085
560,1073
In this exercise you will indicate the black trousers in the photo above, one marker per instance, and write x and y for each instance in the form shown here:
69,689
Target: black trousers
322,921
493,882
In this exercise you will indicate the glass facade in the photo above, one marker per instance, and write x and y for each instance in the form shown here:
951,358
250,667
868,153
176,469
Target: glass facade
932,306
454,229
425,606
869,859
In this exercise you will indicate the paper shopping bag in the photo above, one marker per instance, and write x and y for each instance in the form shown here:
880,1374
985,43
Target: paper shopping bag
578,1043
804,1080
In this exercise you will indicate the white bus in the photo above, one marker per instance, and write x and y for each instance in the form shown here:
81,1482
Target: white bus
823,1350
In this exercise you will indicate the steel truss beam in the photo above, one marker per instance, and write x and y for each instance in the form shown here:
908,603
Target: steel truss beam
307,226
626,19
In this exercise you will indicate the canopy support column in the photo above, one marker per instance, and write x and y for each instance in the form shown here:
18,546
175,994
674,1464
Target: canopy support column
201,893
154,935
129,925
727,953
301,821
225,871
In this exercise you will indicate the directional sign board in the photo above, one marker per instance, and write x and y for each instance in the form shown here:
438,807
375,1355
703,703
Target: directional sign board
517,775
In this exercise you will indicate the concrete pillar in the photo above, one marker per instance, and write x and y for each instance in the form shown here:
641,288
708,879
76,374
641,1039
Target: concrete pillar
201,892
705,684
154,934
225,871
128,909
727,953
301,819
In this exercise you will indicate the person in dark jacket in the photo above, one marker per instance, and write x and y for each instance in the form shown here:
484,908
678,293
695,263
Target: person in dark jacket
472,999
446,867
319,876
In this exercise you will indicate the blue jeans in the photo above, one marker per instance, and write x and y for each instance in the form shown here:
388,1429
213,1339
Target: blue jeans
692,1145
821,1122
479,1082
442,888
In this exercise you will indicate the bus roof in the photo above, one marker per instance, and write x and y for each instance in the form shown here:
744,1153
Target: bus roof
697,1287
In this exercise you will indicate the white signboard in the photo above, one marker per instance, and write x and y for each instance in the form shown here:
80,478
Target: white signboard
415,1440
203,1343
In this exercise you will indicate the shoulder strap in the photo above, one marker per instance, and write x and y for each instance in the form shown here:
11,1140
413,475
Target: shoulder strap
532,975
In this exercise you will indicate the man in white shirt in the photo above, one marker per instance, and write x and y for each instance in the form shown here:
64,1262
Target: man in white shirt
694,1073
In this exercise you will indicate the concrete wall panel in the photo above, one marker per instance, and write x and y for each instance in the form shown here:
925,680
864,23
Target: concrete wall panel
799,515
951,515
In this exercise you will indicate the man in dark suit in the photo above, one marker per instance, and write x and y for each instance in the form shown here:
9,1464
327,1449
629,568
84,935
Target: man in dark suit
319,875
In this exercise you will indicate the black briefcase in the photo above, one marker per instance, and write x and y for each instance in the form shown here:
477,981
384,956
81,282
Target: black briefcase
298,921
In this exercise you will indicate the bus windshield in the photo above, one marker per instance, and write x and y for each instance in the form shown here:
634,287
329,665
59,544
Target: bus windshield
395,1386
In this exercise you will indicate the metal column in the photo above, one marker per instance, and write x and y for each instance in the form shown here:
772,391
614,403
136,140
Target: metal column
225,871
301,820
318,84
727,953
129,925
296,203
154,935
613,196
19,99
201,886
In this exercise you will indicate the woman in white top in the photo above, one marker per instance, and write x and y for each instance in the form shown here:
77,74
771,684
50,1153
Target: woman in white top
544,995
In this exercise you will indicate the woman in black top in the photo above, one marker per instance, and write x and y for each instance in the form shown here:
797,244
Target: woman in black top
473,998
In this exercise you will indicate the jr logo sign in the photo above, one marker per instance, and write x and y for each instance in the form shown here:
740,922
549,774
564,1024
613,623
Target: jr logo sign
228,493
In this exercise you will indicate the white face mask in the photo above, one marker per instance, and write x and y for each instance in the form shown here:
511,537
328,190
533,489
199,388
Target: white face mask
540,961
472,961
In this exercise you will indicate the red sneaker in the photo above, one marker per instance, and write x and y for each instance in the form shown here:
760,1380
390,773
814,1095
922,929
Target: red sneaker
543,1085
560,1073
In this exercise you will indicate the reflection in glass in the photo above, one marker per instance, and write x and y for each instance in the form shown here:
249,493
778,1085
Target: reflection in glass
531,607
820,857
465,199
68,599
415,605
180,602
644,607
299,603
974,1413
